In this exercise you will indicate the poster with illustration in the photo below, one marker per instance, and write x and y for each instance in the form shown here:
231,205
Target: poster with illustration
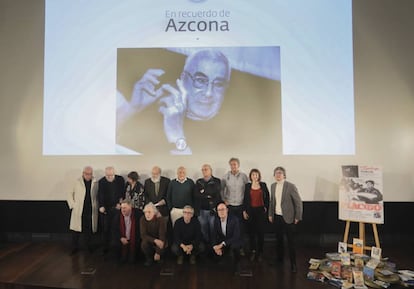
361,194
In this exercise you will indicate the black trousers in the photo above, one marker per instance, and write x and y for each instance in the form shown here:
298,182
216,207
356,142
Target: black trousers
106,221
256,224
238,212
178,251
149,249
86,233
230,251
282,228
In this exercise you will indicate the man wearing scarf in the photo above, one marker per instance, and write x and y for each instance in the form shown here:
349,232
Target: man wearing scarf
125,233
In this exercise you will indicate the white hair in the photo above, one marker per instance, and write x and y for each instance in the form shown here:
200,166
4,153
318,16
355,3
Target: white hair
151,206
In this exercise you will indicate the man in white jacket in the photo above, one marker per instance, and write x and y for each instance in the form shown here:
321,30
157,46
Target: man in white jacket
83,203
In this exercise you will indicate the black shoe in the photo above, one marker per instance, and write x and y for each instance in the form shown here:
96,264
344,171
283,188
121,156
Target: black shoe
293,268
148,262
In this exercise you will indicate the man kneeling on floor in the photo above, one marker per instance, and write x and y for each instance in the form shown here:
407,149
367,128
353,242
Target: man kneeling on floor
125,233
226,236
187,236
153,234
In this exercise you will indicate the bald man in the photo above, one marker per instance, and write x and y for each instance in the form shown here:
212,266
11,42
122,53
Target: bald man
110,194
155,190
207,194
197,95
83,203
179,194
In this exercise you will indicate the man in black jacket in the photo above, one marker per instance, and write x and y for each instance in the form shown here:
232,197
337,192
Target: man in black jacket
187,237
226,237
207,194
111,192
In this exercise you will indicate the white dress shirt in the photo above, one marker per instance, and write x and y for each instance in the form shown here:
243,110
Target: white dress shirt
278,196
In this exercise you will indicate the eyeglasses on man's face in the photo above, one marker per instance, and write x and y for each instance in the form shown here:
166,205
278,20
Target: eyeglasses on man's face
202,82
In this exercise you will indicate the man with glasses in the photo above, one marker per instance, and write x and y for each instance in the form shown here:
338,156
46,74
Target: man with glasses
285,212
83,203
197,95
226,237
110,194
187,237
207,194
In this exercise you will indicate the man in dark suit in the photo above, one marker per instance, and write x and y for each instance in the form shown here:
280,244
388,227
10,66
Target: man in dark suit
285,211
226,237
155,190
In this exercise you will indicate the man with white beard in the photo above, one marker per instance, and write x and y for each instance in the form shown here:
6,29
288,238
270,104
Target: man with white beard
155,190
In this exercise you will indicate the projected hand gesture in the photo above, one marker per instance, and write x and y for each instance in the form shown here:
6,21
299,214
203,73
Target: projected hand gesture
173,108
144,92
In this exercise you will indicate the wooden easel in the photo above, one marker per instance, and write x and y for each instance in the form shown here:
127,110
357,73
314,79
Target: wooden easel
362,234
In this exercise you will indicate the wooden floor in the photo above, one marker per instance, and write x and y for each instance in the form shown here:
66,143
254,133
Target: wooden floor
48,265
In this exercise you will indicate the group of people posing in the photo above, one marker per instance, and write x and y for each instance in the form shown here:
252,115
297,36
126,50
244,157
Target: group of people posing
209,216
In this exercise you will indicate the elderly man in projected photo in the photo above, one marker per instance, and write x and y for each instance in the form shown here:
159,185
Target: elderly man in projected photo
196,95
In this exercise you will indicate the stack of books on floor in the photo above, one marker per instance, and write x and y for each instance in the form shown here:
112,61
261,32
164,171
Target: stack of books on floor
354,269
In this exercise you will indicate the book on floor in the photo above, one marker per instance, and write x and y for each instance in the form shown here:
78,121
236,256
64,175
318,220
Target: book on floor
376,253
345,259
359,262
357,246
336,269
358,278
342,247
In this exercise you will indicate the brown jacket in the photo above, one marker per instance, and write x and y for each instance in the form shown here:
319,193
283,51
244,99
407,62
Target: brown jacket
154,229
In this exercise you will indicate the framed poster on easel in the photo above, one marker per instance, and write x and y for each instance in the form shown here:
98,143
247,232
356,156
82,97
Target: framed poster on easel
361,199
361,194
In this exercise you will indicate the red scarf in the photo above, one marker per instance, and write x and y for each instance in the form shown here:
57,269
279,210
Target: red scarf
131,243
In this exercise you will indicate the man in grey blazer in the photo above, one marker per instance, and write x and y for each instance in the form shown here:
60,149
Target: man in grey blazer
285,211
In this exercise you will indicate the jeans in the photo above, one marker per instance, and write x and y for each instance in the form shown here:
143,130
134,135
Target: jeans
206,220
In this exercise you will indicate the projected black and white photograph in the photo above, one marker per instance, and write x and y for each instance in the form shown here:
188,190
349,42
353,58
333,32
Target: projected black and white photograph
184,101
